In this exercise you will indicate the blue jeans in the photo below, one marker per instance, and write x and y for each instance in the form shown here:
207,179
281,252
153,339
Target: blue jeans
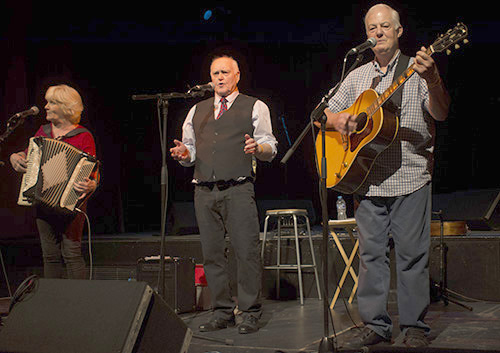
407,219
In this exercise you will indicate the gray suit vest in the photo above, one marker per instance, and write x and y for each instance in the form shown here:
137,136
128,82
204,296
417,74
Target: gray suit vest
220,143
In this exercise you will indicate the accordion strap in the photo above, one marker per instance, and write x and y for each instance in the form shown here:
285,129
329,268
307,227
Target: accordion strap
47,129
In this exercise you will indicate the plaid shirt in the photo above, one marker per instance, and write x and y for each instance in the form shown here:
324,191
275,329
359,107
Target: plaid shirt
406,165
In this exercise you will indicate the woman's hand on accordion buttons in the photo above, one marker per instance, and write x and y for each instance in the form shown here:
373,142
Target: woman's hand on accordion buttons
85,187
19,162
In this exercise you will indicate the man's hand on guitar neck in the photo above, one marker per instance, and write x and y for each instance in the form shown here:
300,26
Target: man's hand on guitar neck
342,122
425,66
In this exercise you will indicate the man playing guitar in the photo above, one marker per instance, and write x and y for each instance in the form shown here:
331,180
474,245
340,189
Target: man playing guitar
395,197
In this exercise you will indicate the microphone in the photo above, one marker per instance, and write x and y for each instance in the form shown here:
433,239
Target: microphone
31,111
370,43
206,87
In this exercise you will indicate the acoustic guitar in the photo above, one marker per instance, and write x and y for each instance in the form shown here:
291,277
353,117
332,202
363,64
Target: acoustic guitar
350,158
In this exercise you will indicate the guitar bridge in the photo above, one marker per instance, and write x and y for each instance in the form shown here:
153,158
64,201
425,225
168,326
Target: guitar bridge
345,142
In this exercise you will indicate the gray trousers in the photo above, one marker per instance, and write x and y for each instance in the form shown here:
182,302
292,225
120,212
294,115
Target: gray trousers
58,245
407,218
230,211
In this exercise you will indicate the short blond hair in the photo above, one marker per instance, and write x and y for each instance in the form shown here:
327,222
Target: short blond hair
69,99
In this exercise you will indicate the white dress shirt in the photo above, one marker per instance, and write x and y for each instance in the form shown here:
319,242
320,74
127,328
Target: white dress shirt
261,121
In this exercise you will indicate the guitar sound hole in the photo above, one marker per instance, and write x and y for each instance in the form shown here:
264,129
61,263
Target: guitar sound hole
361,119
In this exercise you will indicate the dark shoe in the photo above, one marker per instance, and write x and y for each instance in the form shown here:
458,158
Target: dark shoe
367,337
216,324
249,325
415,338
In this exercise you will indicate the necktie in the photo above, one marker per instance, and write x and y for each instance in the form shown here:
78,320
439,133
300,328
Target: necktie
223,107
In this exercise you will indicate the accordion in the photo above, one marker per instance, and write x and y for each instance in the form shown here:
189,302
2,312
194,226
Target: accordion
53,169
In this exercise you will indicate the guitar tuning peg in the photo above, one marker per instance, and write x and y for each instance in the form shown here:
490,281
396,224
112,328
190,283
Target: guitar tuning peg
448,51
466,41
457,46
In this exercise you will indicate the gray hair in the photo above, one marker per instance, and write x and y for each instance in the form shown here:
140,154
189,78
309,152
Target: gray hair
394,14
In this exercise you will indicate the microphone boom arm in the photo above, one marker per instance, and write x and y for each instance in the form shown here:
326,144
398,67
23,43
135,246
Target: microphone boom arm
318,113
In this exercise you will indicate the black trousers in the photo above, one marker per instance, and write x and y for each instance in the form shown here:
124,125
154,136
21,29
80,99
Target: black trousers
230,211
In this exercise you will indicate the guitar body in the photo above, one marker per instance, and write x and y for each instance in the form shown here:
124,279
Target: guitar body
349,159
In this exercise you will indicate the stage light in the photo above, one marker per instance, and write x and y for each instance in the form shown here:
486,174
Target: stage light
215,13
207,15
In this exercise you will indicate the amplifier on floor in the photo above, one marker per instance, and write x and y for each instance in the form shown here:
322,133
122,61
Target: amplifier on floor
180,292
99,316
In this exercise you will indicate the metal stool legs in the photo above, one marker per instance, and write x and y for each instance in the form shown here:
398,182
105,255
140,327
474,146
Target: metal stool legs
281,214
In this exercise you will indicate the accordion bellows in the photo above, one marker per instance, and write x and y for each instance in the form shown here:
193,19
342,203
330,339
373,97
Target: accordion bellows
54,167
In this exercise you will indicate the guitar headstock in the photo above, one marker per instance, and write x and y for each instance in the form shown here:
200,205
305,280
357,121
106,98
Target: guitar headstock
451,38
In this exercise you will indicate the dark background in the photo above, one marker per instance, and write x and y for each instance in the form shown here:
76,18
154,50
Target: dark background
289,55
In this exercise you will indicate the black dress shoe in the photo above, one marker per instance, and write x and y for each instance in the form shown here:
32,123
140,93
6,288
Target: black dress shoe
216,324
367,337
249,325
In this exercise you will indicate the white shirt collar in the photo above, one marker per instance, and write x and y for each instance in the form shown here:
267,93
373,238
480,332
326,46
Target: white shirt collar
230,98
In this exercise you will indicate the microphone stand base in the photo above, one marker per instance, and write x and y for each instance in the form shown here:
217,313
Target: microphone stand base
326,345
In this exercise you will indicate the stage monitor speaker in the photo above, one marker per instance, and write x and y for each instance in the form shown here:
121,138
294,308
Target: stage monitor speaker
479,208
82,316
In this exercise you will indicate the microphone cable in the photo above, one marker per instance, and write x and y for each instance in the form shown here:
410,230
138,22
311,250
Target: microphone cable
91,262
24,288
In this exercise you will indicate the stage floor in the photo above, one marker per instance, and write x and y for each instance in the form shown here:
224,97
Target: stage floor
473,262
288,327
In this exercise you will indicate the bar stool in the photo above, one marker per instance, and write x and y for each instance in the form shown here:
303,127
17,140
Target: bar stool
284,218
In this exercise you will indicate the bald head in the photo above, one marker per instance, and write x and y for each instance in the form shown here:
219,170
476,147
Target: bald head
225,75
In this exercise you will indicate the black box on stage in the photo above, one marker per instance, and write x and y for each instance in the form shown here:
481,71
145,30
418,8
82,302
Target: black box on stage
480,208
98,316
180,292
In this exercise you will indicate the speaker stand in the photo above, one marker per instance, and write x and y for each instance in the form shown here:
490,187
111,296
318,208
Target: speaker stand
443,292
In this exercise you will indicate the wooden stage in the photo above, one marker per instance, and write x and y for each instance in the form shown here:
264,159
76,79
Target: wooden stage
473,271
287,326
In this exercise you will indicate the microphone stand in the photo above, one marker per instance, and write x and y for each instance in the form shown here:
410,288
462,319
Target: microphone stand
162,101
326,344
13,122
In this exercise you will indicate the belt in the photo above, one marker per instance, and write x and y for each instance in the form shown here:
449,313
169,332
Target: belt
223,184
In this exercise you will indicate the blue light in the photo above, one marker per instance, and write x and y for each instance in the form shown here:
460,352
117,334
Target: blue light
207,15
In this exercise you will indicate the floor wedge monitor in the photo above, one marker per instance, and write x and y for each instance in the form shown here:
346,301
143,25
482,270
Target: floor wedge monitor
58,315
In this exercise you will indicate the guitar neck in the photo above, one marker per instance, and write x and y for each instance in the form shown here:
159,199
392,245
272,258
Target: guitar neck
400,81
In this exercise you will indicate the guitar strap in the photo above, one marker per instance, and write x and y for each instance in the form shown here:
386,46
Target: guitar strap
400,68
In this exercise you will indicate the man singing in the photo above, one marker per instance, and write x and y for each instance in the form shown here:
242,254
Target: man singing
221,136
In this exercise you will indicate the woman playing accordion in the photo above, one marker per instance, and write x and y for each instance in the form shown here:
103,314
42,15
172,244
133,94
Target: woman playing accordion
61,233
